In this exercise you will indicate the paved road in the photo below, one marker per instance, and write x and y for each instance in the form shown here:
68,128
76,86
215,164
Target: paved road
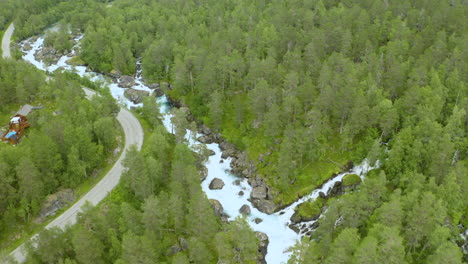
133,136
6,41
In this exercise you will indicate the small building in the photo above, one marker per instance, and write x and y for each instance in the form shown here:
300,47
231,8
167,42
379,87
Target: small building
18,124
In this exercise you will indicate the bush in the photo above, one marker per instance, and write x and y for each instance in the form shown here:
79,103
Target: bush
351,179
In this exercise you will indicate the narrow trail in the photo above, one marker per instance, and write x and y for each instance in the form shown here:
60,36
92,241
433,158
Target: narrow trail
133,136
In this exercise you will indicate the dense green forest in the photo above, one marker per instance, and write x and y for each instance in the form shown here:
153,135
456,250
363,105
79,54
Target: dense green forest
158,214
302,86
69,141
305,85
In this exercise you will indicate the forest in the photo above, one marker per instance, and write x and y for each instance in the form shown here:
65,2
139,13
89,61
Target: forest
302,87
69,141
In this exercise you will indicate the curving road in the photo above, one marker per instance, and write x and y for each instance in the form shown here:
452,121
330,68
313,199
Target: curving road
133,136
6,41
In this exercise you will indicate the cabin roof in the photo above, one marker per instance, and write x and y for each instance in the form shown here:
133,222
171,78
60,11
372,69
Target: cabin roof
25,109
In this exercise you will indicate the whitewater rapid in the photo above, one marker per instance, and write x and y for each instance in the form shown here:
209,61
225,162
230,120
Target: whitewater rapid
281,237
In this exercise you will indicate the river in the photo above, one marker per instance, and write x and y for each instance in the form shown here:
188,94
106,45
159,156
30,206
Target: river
281,237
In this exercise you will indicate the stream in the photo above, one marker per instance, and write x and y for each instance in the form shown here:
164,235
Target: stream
281,237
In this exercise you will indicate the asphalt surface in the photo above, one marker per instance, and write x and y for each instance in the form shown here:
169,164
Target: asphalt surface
133,136
6,41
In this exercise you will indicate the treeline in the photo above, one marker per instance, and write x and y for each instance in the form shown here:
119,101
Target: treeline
69,139
158,214
305,85
302,85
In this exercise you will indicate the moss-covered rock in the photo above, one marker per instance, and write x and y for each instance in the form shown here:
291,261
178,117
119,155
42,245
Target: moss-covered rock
351,179
308,211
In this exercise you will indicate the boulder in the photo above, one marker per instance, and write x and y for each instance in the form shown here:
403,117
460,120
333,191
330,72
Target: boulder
115,74
173,250
258,220
241,193
205,139
136,96
205,130
48,54
183,243
126,81
153,85
203,172
211,152
262,247
236,182
336,190
265,206
322,195
314,225
294,228
27,47
218,209
158,92
216,184
296,218
259,192
245,209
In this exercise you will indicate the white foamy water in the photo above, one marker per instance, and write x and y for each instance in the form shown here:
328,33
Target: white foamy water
281,237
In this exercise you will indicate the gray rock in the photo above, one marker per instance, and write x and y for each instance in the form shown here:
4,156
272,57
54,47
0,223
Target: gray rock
158,92
294,228
314,225
153,85
126,81
205,130
216,184
241,193
56,201
27,47
296,218
336,190
136,96
322,195
262,247
173,250
245,209
205,139
183,243
211,152
236,182
258,220
203,172
265,206
259,192
218,209
115,74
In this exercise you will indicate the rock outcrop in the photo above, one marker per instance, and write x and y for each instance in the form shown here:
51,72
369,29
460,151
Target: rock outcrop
218,210
135,96
56,201
126,81
262,247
